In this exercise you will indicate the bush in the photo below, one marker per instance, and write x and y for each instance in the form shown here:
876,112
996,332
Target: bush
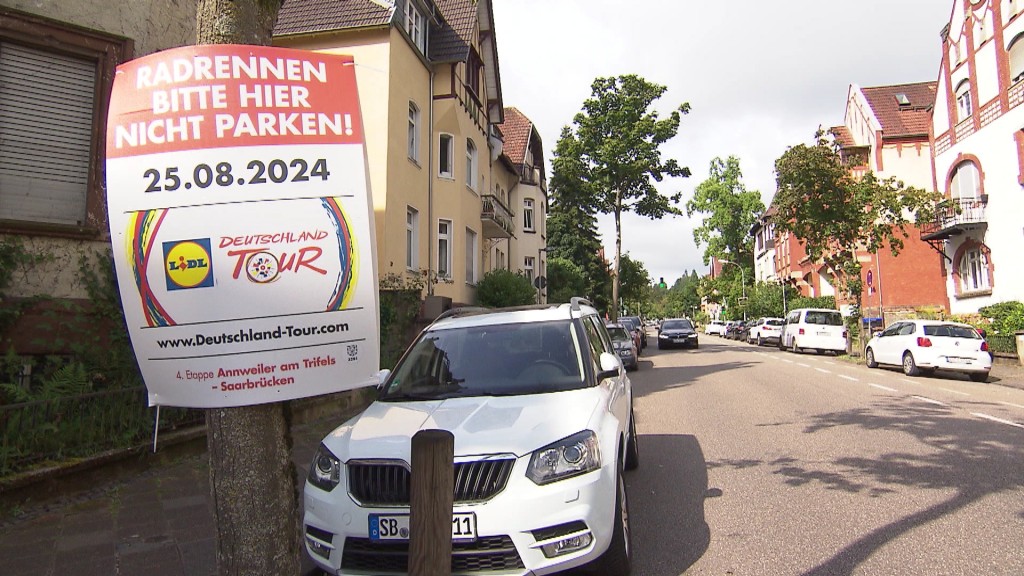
1006,317
499,288
828,302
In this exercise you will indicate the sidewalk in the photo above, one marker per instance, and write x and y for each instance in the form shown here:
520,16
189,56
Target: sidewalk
155,523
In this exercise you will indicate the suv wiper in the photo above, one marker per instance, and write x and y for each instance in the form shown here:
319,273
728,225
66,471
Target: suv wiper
413,396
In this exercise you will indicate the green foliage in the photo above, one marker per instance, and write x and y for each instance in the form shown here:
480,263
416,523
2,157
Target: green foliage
499,288
611,158
835,213
635,282
731,211
828,302
572,237
1007,317
400,299
565,280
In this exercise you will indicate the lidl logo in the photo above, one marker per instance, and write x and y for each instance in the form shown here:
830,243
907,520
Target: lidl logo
188,264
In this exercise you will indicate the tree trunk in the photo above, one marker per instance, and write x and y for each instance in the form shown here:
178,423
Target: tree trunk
252,478
618,256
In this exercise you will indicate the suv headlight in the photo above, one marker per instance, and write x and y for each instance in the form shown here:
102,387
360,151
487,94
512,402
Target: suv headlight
325,470
572,456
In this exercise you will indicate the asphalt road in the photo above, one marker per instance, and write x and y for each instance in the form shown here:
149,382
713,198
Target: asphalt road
757,461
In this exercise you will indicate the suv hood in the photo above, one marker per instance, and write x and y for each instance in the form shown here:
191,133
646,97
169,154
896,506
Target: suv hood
481,425
674,332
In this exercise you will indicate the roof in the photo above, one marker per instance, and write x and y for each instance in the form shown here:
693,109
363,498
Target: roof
475,317
306,16
843,136
450,42
516,128
910,119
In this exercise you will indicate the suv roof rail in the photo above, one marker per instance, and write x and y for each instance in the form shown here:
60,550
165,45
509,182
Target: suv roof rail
462,311
576,301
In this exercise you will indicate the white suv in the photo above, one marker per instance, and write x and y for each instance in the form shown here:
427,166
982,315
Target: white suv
541,410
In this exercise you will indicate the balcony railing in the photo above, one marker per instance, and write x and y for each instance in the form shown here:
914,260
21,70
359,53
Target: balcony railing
955,215
497,218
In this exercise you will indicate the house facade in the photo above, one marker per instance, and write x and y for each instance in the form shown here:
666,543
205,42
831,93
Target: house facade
886,132
430,90
978,153
57,62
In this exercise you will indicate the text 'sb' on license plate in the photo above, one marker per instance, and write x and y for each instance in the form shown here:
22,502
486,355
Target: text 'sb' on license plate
384,527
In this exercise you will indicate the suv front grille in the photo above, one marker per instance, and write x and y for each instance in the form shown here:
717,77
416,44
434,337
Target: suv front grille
387,484
490,554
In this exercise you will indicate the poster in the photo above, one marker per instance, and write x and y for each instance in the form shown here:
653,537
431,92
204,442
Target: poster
241,224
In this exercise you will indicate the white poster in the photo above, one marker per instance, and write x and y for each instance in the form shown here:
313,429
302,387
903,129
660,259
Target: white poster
241,223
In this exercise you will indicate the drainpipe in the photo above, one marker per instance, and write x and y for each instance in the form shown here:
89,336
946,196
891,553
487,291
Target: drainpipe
431,229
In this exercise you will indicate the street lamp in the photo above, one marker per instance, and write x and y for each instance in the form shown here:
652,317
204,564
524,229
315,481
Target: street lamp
743,285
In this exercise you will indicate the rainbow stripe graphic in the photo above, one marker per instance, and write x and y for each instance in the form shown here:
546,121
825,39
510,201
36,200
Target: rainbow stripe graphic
139,242
345,286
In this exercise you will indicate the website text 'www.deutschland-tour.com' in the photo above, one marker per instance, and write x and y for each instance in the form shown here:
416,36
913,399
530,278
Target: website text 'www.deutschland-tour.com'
250,335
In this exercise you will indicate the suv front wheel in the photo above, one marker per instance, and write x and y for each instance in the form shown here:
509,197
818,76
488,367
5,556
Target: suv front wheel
617,559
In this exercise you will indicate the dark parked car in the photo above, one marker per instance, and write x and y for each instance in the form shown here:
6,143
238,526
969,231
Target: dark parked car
737,331
676,332
637,325
625,345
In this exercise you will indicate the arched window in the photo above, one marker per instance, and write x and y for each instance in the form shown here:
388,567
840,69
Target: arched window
1016,51
973,271
966,181
964,105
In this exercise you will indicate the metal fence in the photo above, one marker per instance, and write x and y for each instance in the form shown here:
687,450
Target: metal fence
60,428
1002,345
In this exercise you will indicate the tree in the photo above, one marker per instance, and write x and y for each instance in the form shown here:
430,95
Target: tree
252,478
835,213
613,157
565,280
502,287
635,283
731,211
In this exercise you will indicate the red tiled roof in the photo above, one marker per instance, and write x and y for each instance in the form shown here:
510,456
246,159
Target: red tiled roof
450,42
516,128
843,136
305,16
901,121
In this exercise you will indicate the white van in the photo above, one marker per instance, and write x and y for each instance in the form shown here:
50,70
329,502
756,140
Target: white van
818,329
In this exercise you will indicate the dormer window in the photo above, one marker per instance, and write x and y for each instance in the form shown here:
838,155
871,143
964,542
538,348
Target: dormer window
415,26
964,104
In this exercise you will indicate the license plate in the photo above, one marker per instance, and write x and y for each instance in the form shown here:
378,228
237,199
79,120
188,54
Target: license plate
823,333
679,340
389,527
955,360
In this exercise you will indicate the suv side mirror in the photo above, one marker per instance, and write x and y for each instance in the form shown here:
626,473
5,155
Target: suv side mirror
382,377
610,366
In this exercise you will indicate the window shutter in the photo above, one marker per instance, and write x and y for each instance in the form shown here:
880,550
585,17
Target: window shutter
46,123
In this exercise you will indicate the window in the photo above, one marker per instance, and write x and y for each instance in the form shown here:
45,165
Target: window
964,105
444,248
53,103
414,25
529,263
470,256
412,238
446,156
966,182
528,214
414,133
973,270
470,164
473,65
1016,51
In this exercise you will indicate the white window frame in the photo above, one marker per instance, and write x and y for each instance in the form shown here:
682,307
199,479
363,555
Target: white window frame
414,25
471,256
964,103
444,248
973,269
528,213
471,163
412,238
961,178
446,147
529,265
1016,57
414,132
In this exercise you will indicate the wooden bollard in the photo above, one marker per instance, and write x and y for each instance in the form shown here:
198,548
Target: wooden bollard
431,494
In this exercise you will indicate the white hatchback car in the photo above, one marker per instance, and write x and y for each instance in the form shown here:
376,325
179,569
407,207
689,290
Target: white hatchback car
541,411
715,327
926,345
765,330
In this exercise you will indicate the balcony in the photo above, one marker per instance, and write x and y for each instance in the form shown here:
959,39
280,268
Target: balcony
496,217
954,216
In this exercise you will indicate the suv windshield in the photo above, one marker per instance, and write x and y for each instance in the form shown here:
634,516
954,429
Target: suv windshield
619,334
492,360
676,325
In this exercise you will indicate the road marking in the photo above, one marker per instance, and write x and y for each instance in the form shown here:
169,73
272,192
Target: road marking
954,391
804,365
930,401
823,370
850,378
829,362
884,387
908,381
786,360
1011,404
994,419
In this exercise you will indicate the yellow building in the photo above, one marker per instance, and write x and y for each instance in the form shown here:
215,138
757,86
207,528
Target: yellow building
430,93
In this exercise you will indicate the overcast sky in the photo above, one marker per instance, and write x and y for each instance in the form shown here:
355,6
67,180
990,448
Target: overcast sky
760,75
